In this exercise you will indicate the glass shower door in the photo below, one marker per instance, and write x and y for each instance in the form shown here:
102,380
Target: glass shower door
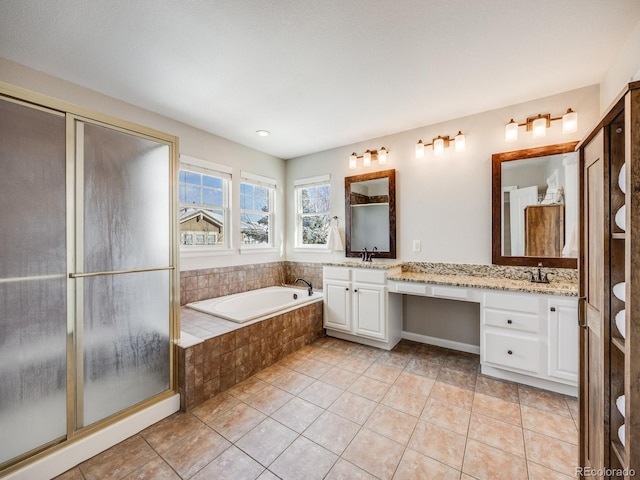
33,283
123,279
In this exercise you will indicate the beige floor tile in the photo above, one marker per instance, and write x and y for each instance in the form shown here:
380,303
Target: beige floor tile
344,470
269,399
156,469
297,414
332,432
557,426
210,409
488,463
551,452
369,388
497,408
266,441
468,362
76,474
195,451
353,407
367,353
330,356
267,475
293,382
415,466
438,443
339,377
405,399
247,388
374,453
456,396
269,374
543,400
497,388
446,415
538,472
231,465
392,424
303,459
163,435
394,358
320,393
355,364
425,367
119,460
383,373
498,434
574,406
312,368
459,378
415,382
234,423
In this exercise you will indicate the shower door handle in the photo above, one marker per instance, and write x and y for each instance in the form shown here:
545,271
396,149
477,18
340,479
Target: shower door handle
119,272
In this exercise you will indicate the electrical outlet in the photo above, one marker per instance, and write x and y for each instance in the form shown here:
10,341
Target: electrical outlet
416,245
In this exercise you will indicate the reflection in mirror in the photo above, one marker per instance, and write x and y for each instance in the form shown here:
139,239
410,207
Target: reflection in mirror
535,206
370,214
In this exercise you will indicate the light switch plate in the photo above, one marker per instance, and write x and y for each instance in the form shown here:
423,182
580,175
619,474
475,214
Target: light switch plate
416,245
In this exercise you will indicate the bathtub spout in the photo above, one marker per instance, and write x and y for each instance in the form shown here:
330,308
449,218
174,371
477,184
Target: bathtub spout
309,286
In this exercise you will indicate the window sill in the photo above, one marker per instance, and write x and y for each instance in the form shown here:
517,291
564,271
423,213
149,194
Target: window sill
322,249
247,249
204,252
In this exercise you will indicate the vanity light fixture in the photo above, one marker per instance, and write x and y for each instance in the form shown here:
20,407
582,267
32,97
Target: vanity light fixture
538,125
440,143
367,157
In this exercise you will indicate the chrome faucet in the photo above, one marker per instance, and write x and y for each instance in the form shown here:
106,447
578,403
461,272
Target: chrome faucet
538,277
309,286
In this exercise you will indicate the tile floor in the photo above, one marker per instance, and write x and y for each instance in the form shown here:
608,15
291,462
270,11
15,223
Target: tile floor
339,410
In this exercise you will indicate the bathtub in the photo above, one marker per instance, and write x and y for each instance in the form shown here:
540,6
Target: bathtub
254,304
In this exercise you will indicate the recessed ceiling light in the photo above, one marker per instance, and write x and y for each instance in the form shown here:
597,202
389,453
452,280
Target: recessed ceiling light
263,133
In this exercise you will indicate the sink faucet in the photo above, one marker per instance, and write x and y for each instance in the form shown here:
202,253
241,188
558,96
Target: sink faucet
538,277
309,286
368,256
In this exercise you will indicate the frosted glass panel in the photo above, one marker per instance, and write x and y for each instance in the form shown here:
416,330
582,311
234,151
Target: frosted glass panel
126,340
127,201
32,279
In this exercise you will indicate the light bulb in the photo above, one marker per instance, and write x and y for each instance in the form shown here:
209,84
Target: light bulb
382,156
419,150
460,141
539,127
438,146
366,159
353,161
511,131
570,122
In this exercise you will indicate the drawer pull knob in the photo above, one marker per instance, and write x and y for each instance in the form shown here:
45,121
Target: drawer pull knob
510,352
355,290
347,289
509,321
553,309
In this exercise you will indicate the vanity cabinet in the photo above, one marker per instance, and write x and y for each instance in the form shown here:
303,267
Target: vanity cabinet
357,306
530,338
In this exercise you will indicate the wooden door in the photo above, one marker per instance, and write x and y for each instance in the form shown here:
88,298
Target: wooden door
593,388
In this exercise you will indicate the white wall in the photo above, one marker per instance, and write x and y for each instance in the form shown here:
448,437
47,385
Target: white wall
445,202
624,69
193,142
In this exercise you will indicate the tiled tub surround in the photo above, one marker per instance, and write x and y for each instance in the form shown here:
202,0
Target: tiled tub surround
217,282
563,281
229,356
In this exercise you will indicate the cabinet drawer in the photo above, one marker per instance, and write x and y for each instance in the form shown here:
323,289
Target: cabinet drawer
512,320
337,273
519,303
512,352
369,276
413,288
456,293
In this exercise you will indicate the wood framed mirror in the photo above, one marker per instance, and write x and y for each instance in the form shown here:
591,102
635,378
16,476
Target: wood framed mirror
370,201
535,206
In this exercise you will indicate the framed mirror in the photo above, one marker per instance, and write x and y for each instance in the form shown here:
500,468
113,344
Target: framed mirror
370,201
535,206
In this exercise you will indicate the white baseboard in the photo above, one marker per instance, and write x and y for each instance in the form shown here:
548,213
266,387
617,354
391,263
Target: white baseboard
551,385
441,342
78,451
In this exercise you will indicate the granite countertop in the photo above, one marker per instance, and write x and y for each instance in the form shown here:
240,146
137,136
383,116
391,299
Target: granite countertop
566,288
360,264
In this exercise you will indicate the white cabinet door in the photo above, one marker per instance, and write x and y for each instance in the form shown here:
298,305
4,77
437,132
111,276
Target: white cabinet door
369,311
337,305
563,339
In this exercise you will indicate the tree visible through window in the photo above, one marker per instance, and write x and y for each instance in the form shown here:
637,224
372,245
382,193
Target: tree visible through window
203,208
313,212
256,213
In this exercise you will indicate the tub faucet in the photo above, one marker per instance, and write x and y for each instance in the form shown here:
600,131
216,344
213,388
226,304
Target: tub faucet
309,286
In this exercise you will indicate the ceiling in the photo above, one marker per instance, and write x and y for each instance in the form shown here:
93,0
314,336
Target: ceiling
318,74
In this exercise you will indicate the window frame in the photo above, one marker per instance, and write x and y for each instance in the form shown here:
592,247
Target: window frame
271,185
223,173
299,185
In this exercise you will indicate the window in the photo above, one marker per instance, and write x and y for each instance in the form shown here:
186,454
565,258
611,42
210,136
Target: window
204,207
256,210
313,206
